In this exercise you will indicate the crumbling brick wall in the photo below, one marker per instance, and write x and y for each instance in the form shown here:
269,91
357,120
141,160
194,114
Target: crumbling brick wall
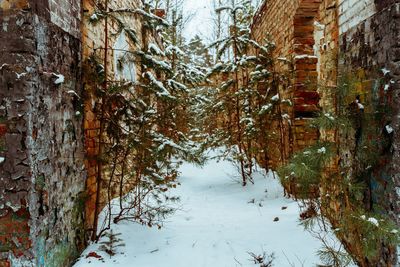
372,46
292,30
358,35
369,38
41,167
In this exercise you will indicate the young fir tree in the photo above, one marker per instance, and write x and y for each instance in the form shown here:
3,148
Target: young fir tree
189,72
144,122
244,94
198,53
112,243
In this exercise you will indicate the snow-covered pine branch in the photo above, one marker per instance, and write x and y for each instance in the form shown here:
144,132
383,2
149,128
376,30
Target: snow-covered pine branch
153,48
160,88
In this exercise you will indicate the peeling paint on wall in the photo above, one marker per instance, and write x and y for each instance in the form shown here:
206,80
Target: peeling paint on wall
41,140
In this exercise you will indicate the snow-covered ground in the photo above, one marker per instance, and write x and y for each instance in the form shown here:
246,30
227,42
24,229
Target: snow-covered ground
219,222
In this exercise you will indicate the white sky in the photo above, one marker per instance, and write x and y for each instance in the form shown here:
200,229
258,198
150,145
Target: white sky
201,22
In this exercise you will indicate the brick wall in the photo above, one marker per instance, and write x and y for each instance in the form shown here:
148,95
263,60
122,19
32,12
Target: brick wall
352,12
373,47
301,55
41,141
368,45
360,35
66,14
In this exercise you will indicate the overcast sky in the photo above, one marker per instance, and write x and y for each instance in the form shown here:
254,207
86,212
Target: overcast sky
201,22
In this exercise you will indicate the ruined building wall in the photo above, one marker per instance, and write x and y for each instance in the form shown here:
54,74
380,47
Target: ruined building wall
292,29
369,38
370,44
271,22
49,126
41,152
361,36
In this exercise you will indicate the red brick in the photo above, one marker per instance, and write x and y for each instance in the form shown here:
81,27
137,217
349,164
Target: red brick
3,129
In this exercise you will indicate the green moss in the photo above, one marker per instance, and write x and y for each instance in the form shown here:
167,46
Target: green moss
23,217
61,255
65,251
40,182
5,247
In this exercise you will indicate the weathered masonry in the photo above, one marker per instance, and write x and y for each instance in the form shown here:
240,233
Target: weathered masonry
50,192
297,31
317,43
370,41
41,139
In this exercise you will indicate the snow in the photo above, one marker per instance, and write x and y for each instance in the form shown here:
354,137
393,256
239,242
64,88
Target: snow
217,224
160,63
170,49
152,16
2,159
360,106
19,75
374,221
159,85
72,92
60,78
94,17
154,48
265,108
385,71
298,57
329,116
389,129
371,220
275,97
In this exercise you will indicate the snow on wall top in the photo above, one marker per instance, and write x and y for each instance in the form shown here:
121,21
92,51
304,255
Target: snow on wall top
352,12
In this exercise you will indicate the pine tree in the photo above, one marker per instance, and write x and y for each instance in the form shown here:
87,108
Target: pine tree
145,122
198,53
240,105
111,245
